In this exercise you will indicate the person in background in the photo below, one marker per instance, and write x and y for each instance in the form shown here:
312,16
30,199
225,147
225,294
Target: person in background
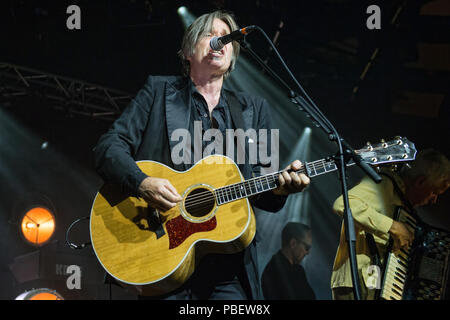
373,205
283,277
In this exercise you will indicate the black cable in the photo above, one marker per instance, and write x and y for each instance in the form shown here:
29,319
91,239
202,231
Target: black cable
73,245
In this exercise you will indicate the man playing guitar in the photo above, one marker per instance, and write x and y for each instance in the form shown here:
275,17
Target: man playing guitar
144,130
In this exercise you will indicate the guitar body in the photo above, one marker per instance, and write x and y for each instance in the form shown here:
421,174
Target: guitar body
157,253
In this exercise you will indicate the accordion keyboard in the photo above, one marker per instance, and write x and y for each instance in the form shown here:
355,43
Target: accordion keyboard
421,272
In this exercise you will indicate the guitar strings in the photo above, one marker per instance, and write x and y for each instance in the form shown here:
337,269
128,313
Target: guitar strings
274,175
227,192
236,189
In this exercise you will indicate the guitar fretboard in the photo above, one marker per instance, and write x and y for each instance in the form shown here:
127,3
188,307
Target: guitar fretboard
267,182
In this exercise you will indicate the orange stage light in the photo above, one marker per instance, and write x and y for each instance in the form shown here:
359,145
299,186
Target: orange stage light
40,294
38,225
45,296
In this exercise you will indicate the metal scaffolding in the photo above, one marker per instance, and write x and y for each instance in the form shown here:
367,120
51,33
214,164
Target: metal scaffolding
70,95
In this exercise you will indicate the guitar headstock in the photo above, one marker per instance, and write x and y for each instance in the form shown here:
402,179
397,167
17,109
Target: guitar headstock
398,150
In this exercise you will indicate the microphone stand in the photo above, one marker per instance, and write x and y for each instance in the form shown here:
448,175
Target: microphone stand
341,158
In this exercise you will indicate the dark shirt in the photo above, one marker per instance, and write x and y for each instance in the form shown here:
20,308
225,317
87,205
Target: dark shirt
283,281
220,113
220,117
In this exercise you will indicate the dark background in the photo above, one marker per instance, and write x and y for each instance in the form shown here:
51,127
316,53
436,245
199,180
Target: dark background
325,43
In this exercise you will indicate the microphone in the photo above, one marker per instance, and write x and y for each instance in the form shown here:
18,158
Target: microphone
217,43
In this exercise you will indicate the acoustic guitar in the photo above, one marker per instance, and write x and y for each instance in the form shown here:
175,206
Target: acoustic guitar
156,253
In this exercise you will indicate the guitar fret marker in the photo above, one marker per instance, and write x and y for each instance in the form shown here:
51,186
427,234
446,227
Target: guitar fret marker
259,185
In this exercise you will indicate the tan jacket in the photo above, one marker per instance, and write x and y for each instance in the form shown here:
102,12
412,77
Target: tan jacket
373,207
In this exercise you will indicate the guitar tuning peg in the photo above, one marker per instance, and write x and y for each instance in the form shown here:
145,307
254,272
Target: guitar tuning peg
399,140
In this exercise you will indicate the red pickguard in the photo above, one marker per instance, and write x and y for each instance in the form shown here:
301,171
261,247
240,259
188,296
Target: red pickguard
179,229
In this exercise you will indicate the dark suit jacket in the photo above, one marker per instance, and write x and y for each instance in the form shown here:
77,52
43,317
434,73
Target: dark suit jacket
142,133
283,281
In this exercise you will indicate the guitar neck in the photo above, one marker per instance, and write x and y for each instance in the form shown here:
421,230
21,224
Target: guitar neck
267,182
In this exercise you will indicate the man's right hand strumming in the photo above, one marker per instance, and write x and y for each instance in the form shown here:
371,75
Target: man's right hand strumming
401,235
159,193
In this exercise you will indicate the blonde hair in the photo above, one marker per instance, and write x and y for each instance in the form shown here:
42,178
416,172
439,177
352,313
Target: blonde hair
198,29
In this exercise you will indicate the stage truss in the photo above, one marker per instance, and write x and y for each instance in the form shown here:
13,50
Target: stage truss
72,96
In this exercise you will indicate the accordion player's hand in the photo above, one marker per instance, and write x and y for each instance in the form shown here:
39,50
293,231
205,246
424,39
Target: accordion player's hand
401,235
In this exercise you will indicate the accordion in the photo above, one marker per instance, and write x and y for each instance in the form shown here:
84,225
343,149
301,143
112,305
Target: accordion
422,272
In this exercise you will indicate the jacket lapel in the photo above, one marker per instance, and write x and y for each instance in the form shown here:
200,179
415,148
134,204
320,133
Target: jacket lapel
178,106
242,119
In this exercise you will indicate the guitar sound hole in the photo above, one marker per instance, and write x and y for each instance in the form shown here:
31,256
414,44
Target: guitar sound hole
199,202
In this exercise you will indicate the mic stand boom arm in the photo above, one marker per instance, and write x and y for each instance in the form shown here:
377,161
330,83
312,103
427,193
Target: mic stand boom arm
342,158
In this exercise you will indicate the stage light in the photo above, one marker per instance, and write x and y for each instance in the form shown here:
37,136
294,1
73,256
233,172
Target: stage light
182,10
30,225
185,16
40,294
38,225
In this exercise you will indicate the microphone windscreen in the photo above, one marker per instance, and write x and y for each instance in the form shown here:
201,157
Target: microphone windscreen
215,44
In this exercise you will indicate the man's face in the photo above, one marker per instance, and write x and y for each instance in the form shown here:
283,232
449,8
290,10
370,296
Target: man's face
301,247
425,192
205,59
